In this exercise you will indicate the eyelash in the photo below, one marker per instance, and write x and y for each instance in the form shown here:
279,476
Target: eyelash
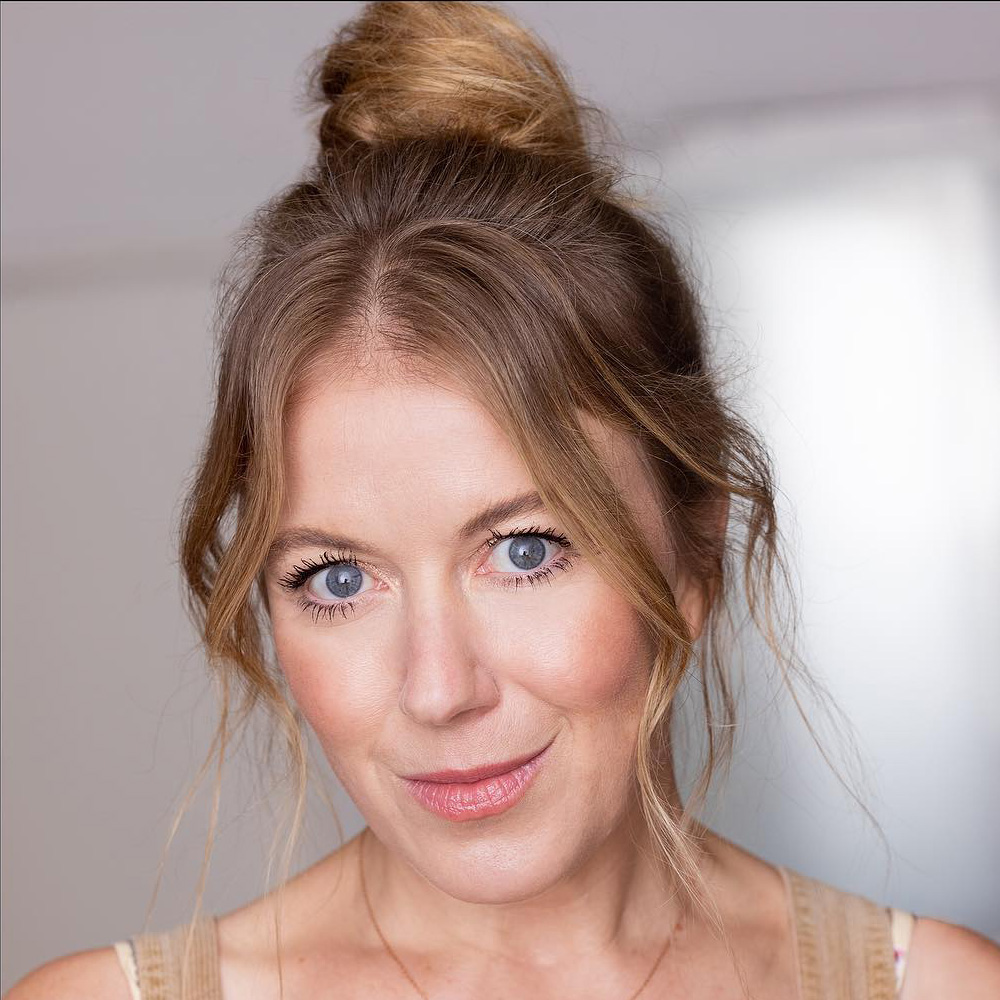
299,575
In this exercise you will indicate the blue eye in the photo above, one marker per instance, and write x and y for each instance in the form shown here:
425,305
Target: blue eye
331,584
337,573
527,554
342,581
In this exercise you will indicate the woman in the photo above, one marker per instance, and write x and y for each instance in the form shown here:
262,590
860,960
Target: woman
469,473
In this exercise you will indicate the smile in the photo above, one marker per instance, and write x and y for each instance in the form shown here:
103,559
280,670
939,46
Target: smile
460,801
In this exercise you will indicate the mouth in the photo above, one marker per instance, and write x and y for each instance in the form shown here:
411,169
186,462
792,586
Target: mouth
476,793
454,776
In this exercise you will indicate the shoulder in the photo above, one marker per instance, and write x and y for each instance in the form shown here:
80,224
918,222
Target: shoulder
319,910
95,974
950,960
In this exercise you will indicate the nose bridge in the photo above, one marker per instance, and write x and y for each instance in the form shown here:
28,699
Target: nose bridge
444,674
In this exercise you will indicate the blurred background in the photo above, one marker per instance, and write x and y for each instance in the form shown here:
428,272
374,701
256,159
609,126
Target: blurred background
832,171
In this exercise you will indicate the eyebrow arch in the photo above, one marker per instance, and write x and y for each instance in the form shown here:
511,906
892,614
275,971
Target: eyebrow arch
502,510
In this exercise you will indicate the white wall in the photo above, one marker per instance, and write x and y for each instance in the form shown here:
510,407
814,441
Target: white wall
853,261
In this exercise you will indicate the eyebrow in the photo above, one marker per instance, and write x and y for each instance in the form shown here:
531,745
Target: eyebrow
306,537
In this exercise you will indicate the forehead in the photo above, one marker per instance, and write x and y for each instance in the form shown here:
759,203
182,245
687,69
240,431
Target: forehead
393,432
404,451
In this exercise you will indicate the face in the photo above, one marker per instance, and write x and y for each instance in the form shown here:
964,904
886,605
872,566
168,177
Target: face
412,645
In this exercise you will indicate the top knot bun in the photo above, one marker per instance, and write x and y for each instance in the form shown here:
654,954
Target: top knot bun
403,70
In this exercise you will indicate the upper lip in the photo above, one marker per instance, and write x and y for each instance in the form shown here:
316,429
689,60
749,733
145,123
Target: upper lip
476,773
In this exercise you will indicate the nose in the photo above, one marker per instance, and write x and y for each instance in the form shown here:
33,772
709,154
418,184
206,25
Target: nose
444,677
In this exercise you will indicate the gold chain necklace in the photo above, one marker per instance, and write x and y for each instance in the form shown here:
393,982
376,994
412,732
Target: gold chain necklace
413,982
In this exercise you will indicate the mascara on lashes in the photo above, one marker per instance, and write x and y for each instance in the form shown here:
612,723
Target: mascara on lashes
297,577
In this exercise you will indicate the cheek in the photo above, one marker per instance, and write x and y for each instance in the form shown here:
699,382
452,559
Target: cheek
593,658
335,681
592,669
584,653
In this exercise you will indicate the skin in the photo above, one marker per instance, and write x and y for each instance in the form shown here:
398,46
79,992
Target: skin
441,665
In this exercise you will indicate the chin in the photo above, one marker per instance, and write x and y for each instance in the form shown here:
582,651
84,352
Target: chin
489,873
502,868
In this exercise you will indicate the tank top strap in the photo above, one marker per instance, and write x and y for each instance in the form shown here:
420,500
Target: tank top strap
903,922
842,941
154,963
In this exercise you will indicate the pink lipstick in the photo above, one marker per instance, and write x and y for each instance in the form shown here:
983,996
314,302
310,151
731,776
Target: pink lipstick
476,793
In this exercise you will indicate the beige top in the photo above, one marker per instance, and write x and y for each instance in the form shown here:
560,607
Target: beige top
846,946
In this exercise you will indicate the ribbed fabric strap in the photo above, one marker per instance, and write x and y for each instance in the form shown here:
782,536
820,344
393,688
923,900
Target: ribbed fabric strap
842,940
160,963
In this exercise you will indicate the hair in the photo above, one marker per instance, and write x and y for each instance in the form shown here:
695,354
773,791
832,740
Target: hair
460,220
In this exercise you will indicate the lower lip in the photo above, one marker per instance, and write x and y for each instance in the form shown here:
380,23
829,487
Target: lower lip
462,801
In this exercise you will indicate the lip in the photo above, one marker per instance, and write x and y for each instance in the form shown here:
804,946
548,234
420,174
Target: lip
454,776
485,795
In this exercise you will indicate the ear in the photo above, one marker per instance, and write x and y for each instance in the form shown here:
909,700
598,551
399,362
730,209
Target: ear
695,598
693,604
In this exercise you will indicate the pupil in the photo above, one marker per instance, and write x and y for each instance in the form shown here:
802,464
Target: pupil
527,553
343,581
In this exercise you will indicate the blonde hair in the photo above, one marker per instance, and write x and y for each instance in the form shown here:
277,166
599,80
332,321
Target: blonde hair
459,219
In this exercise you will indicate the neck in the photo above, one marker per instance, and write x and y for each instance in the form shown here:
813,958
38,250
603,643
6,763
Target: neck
619,898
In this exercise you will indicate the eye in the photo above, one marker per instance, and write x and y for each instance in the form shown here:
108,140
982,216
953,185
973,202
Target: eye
525,552
339,582
528,555
329,586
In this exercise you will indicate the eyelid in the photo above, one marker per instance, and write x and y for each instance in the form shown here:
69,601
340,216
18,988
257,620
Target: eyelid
300,574
550,533
308,567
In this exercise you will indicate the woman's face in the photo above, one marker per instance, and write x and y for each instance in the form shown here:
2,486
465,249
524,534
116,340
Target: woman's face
436,651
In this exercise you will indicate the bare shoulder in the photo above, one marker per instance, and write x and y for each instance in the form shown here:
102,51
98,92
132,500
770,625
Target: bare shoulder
320,939
754,886
950,960
755,908
95,974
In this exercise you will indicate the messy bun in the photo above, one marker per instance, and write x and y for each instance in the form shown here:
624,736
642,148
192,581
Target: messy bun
402,70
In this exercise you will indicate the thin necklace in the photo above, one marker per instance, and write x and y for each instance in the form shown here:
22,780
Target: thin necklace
413,982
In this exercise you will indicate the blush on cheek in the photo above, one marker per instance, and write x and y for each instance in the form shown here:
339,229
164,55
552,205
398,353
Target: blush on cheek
597,659
337,690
